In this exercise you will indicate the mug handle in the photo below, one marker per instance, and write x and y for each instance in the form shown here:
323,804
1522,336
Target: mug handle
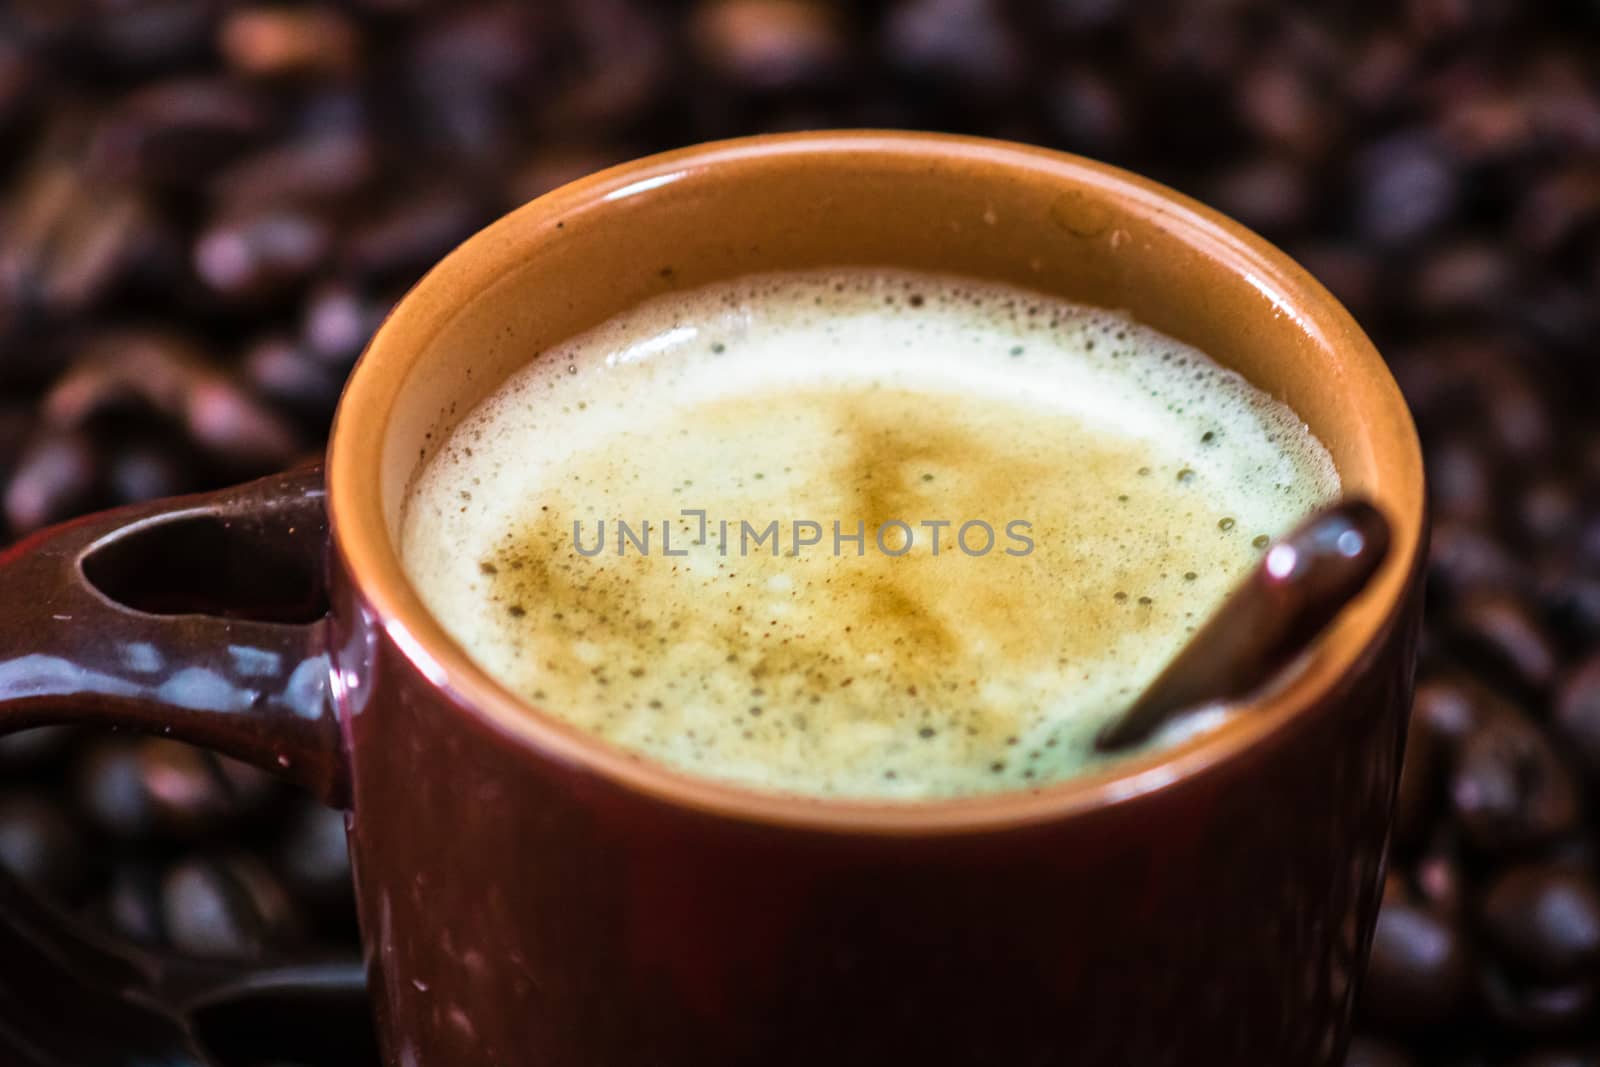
100,624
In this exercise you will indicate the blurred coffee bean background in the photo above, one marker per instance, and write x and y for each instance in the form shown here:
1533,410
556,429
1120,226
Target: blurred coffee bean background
206,207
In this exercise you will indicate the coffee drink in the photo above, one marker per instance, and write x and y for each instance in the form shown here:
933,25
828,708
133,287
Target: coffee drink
856,533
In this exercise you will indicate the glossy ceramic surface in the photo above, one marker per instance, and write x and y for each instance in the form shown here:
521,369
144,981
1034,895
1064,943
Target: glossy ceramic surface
103,622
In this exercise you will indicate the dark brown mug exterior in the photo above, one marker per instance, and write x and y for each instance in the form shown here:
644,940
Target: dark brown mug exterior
532,896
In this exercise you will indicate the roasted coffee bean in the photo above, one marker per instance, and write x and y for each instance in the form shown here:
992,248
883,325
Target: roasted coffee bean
1439,395
1519,417
263,253
124,371
1282,105
338,321
192,791
1404,186
1461,278
291,378
768,45
286,42
47,188
1377,70
1556,207
1315,49
312,856
1397,889
157,264
1351,273
1370,1052
1585,456
1510,789
111,790
94,249
1587,539
151,35
1547,510
1193,51
16,426
39,845
1554,316
334,109
405,240
235,431
961,44
145,470
1480,121
41,24
1419,973
1562,100
225,907
1577,714
1419,784
179,132
1438,879
1087,113
18,78
250,788
463,72
1503,638
1571,601
132,905
72,239
329,167
163,375
1269,194
1474,396
1463,481
136,789
1543,920
1536,1009
1578,853
54,479
630,64
1453,707
29,749
488,44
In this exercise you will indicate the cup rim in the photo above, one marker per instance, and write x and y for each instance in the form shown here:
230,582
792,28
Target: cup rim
371,562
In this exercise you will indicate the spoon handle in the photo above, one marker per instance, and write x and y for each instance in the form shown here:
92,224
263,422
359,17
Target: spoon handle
1300,585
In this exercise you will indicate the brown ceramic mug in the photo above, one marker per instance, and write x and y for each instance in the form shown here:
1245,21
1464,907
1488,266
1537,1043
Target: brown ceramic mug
530,895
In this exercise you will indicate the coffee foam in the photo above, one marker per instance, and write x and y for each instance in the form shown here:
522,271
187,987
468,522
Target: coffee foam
1150,476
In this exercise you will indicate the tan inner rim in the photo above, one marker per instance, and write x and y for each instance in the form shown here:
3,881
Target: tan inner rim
362,535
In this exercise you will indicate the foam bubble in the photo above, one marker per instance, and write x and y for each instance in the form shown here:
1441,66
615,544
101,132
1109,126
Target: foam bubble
886,402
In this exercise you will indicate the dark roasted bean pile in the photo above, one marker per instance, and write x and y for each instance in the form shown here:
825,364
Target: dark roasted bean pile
205,208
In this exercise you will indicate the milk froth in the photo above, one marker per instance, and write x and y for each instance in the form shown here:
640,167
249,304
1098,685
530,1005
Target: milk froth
741,530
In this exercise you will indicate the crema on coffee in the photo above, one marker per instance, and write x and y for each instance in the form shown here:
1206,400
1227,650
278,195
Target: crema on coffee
856,533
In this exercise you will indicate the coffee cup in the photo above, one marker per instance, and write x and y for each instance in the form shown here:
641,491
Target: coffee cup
531,894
